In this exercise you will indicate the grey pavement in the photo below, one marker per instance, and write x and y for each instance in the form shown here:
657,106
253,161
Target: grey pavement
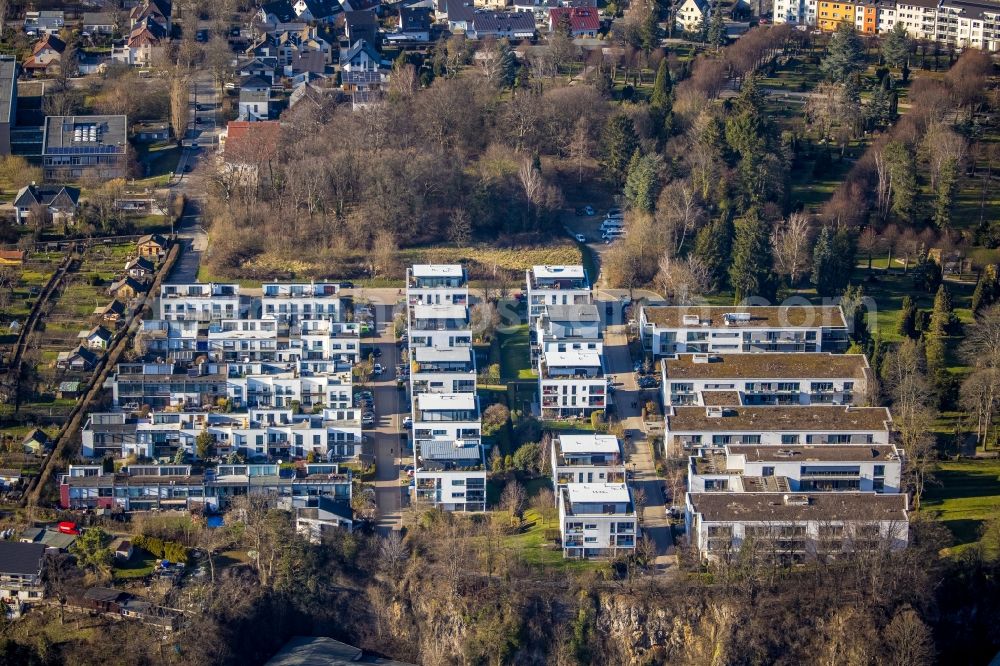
639,458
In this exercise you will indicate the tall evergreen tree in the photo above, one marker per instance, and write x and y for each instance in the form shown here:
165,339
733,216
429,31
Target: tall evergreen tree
845,54
823,263
716,33
986,289
642,185
713,245
897,46
902,167
945,196
937,331
663,87
750,272
907,324
619,142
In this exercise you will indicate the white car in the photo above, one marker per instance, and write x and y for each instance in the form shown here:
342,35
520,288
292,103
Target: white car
378,369
580,238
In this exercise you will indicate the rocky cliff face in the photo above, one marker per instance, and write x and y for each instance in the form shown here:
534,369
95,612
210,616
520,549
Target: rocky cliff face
638,630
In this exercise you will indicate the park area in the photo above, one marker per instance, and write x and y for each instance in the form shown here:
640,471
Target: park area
965,495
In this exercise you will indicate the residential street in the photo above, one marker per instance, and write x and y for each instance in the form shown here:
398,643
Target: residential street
639,458
390,409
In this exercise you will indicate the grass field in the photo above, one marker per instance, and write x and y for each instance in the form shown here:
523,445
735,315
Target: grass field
965,495
140,565
515,355
536,550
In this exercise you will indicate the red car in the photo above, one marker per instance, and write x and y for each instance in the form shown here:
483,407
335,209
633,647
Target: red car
66,527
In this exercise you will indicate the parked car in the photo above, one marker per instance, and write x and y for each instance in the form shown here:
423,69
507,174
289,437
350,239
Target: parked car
408,422
378,369
346,284
580,238
614,213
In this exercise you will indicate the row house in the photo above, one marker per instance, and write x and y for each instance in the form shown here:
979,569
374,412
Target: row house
203,301
799,469
295,302
692,427
958,23
442,370
597,520
555,285
792,527
164,385
766,379
331,433
586,458
668,330
164,487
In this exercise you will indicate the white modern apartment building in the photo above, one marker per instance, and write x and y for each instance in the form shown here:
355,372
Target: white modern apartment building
586,459
765,379
450,467
668,330
295,302
597,520
555,285
798,469
793,527
202,302
328,340
437,284
572,383
256,433
692,427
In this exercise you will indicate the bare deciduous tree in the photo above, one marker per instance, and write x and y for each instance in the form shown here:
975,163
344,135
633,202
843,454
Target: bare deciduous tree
790,246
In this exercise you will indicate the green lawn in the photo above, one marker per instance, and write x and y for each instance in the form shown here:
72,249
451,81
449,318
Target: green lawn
515,354
140,565
965,495
539,551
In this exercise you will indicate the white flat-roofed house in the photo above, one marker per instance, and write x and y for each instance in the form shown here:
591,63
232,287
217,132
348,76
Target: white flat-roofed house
568,328
793,527
668,330
201,302
597,520
245,340
441,326
555,285
295,302
586,459
445,370
288,388
328,340
436,284
571,383
451,474
690,428
821,468
766,379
